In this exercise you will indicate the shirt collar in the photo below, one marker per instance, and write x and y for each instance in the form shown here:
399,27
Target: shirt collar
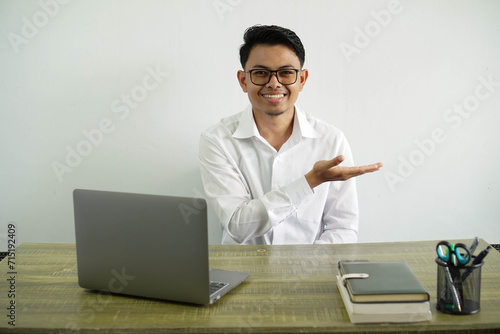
305,128
247,127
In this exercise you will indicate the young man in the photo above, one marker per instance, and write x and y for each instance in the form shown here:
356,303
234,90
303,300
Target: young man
272,172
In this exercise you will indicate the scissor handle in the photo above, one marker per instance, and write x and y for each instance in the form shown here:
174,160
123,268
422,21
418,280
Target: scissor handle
453,253
444,245
462,253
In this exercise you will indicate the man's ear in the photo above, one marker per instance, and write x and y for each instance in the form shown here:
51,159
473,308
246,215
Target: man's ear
242,80
304,74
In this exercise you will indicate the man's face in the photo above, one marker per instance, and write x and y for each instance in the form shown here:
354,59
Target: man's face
274,98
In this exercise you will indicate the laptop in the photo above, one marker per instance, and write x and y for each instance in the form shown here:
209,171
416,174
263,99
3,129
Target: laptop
148,246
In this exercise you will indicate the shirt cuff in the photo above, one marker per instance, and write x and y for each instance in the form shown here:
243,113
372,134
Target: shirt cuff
299,191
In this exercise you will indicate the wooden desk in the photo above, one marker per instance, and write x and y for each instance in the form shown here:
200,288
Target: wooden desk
291,289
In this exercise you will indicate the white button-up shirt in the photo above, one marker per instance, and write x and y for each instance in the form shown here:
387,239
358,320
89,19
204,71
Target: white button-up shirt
261,195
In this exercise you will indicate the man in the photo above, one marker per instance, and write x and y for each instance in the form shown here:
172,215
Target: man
272,172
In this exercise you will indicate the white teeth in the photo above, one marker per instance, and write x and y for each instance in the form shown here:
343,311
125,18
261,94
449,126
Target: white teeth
274,96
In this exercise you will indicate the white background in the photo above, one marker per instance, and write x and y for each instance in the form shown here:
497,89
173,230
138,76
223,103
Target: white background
391,75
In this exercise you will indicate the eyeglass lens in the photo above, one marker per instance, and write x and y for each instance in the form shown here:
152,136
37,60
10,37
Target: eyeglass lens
262,77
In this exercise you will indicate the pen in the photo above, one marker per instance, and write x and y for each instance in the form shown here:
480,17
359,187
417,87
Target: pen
473,245
453,288
481,256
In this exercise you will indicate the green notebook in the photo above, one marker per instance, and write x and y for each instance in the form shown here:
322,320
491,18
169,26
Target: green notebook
387,282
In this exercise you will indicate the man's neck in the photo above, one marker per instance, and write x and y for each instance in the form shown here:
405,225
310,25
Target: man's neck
275,129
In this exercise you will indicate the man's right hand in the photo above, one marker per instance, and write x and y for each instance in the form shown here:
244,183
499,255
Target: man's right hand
329,170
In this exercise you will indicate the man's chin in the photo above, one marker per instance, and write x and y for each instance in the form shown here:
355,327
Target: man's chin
274,113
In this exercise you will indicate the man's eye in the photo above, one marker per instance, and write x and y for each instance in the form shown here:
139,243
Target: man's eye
261,73
286,73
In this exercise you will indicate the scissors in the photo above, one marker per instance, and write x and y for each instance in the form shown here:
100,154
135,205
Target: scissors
453,254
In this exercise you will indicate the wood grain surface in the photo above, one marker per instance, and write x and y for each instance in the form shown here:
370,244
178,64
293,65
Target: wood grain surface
291,289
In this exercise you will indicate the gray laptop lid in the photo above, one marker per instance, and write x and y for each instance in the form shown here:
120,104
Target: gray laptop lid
143,245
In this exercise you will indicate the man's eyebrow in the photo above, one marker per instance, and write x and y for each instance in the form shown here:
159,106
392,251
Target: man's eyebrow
267,68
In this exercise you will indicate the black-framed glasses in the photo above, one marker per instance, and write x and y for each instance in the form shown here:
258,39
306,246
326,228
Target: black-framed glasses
261,77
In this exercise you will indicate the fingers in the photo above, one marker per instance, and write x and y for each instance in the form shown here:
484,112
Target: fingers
357,171
340,173
361,169
335,161
372,167
367,168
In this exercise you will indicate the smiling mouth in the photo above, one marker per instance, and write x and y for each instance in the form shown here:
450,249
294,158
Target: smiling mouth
273,96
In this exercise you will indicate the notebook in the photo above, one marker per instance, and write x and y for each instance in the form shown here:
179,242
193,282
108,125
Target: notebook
148,246
387,282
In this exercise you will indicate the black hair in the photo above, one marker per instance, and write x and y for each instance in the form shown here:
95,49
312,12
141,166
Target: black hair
270,35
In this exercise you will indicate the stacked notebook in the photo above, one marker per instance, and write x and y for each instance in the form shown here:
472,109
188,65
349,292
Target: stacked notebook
389,292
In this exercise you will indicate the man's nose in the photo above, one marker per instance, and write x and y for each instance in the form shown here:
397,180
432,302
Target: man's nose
273,82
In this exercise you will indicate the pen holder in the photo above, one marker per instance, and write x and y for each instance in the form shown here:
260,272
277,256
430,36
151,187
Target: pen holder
458,288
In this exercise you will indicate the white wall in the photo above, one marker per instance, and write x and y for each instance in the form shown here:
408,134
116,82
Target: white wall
392,75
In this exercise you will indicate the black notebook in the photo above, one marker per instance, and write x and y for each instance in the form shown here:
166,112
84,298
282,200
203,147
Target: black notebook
387,282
